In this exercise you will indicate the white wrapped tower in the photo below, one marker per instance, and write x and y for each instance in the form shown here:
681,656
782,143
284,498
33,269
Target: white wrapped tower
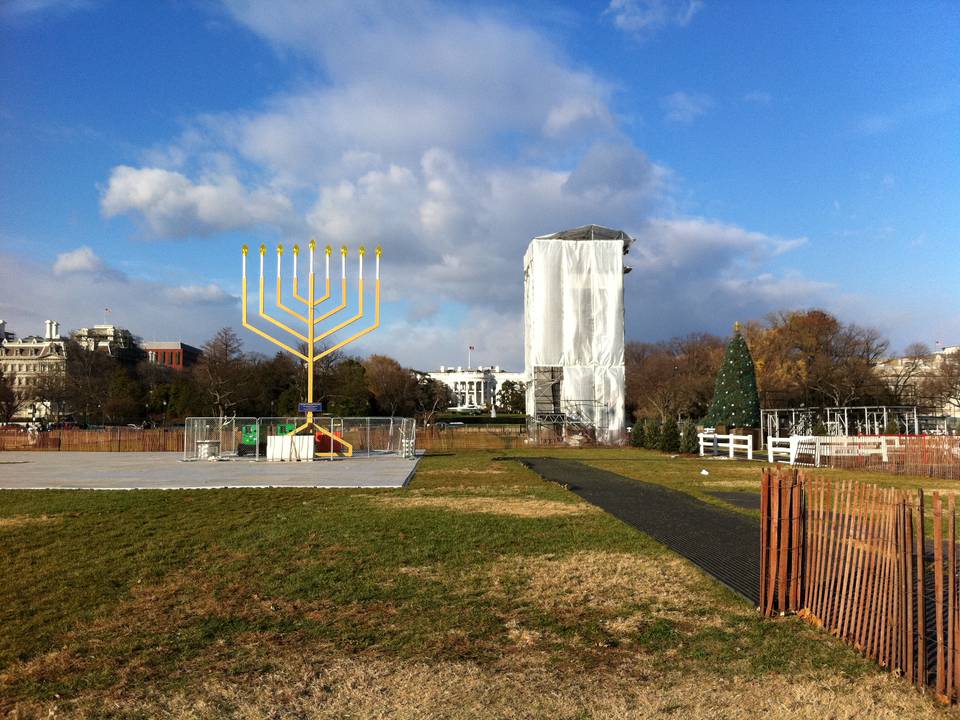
573,320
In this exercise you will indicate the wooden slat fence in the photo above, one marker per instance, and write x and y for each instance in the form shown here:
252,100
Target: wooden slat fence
478,437
854,559
935,456
105,440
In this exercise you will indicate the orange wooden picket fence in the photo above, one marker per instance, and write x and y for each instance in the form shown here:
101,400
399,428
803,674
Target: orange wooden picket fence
854,559
105,440
935,456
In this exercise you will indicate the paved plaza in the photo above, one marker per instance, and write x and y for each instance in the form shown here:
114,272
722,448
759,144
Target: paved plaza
166,471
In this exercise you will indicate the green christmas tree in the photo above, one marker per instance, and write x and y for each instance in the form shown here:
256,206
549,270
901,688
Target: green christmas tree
735,400
636,435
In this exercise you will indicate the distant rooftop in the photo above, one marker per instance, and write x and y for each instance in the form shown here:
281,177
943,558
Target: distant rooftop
165,345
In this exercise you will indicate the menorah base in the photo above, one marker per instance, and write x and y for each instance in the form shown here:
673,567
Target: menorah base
325,440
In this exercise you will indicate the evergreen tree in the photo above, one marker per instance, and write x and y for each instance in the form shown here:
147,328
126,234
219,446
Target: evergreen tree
651,434
670,437
735,400
688,438
636,435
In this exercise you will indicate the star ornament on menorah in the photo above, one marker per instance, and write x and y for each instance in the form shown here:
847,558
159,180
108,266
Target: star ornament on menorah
311,320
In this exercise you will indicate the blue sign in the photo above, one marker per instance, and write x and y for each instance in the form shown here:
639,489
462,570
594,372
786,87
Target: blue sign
310,407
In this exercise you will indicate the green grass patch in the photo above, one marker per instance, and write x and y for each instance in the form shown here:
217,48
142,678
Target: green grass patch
112,594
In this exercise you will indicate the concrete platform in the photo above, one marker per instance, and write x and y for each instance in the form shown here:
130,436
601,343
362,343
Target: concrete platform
166,471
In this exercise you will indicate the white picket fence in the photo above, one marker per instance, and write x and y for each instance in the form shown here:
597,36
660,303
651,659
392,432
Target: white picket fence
730,445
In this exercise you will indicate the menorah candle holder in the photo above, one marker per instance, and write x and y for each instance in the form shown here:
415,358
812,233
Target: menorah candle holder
310,319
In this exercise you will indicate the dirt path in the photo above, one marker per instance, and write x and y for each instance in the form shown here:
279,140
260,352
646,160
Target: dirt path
722,542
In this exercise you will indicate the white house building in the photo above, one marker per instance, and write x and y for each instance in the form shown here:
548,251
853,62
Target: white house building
475,387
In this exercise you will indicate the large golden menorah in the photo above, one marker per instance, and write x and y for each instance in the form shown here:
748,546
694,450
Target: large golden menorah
311,338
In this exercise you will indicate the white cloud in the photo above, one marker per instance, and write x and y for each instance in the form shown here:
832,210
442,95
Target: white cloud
407,149
645,17
684,108
174,206
16,9
209,294
84,260
693,274
470,81
33,292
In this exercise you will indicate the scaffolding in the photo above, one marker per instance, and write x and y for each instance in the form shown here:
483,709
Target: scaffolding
573,339
842,421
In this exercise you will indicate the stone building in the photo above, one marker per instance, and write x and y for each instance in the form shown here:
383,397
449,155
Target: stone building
108,339
26,360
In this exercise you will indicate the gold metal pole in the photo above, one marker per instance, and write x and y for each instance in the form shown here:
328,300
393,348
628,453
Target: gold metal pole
311,352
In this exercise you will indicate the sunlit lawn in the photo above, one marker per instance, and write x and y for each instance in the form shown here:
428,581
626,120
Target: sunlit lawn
480,591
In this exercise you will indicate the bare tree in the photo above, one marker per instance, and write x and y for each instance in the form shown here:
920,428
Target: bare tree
944,384
433,397
904,376
220,371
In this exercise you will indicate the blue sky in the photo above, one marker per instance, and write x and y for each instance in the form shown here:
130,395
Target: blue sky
765,156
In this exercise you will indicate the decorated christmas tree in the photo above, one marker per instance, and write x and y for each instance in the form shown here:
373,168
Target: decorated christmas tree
735,400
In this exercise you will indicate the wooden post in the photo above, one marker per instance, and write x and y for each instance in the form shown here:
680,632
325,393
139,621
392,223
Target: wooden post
784,543
950,587
921,593
774,537
908,586
809,502
764,535
796,541
938,588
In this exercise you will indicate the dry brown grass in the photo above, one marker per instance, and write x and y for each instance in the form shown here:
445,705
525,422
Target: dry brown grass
463,471
22,520
378,688
632,590
526,507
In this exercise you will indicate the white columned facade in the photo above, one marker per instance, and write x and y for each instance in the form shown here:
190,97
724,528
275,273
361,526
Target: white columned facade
475,387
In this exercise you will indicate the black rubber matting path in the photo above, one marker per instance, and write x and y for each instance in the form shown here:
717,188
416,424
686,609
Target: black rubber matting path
724,543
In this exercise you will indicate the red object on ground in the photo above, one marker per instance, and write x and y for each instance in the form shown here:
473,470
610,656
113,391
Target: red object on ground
325,442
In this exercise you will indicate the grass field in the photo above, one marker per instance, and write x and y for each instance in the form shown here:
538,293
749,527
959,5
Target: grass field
478,592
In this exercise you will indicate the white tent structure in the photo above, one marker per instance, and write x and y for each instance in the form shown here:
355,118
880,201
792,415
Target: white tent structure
573,321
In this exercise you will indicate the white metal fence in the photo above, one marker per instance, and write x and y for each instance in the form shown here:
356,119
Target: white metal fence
214,437
729,445
816,451
272,438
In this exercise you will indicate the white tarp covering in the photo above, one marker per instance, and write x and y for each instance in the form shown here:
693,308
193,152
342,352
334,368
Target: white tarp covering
573,317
